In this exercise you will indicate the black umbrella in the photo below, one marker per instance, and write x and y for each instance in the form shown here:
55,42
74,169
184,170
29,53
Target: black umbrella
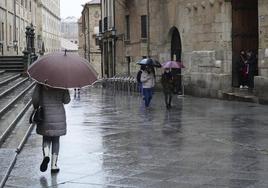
149,61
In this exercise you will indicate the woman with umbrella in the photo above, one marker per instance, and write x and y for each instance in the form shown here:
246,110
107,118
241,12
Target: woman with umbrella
54,123
168,86
168,80
148,82
55,73
148,78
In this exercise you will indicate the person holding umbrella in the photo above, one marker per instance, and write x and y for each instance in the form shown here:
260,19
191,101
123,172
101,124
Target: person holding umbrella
174,66
148,82
138,77
54,123
54,74
167,84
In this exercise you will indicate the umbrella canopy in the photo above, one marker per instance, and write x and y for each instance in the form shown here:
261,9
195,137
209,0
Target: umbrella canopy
149,61
173,65
61,70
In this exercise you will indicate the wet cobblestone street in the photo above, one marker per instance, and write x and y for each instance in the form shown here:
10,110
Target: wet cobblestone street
112,142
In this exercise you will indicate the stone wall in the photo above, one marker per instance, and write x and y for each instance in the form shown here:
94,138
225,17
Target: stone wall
205,31
261,81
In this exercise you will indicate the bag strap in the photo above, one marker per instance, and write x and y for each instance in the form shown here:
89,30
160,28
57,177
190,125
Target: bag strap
40,95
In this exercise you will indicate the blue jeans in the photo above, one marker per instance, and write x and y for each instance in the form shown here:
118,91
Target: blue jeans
148,94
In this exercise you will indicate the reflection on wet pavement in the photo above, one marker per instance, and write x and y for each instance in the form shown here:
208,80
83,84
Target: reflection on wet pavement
112,141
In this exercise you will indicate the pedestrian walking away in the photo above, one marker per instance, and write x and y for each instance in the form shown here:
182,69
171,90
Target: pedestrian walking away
148,82
168,86
53,124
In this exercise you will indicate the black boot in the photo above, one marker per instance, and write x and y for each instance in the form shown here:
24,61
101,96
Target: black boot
43,166
46,159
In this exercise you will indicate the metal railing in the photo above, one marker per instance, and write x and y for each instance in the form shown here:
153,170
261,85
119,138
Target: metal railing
123,82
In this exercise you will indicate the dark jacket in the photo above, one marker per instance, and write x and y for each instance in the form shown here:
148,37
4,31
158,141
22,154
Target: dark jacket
167,82
139,76
54,123
252,64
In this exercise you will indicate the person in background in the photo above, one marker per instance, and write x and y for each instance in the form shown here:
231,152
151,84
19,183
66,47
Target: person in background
251,68
148,82
54,123
242,70
167,84
142,68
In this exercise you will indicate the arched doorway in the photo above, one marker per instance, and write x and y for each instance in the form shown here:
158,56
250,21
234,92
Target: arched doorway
176,56
244,33
175,44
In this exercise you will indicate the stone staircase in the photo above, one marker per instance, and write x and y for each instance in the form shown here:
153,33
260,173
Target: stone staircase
244,95
11,63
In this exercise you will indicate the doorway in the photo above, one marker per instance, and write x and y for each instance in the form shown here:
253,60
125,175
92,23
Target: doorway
176,56
244,33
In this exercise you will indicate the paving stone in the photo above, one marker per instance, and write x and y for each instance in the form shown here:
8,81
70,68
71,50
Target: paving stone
112,142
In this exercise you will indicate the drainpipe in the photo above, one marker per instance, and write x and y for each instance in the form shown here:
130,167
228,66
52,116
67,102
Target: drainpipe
114,41
148,29
84,32
101,41
88,33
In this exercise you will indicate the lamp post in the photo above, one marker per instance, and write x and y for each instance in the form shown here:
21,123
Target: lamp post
15,45
32,38
15,42
27,33
2,47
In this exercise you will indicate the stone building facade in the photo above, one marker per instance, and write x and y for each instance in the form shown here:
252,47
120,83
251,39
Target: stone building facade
206,35
15,15
69,29
81,40
108,38
48,25
91,14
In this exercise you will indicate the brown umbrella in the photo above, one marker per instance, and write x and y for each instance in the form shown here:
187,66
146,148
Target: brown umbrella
61,70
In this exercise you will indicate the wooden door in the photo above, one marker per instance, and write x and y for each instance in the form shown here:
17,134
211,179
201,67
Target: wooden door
244,31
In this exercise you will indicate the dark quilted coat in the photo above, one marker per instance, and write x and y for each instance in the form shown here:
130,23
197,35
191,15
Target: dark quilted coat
54,123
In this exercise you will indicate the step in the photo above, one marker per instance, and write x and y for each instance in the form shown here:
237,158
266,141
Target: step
244,90
11,62
14,70
234,96
10,57
11,66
